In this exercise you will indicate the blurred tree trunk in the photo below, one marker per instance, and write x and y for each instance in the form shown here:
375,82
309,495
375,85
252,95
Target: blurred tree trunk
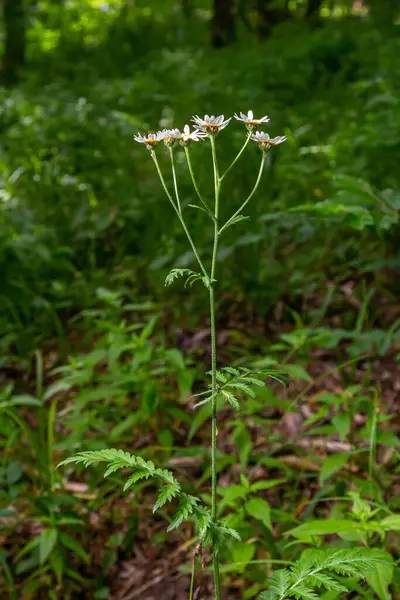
223,27
14,43
313,8
270,13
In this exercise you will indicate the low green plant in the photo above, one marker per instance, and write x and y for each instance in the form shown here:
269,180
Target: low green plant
309,574
228,385
28,482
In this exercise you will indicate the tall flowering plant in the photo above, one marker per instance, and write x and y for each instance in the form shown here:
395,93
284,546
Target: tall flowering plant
228,384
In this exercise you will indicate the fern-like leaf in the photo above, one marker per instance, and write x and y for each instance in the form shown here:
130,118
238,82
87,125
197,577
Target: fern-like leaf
203,520
322,580
306,575
217,535
186,507
303,592
191,277
140,474
176,273
279,582
231,399
118,459
166,494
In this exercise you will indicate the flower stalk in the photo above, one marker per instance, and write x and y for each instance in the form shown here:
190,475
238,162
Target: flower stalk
217,187
208,128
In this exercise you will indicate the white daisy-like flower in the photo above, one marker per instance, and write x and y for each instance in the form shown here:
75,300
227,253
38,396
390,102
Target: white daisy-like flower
210,125
171,136
184,137
151,139
249,120
265,142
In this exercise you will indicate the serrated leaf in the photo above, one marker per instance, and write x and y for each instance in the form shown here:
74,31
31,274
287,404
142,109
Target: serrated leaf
202,402
220,377
231,399
255,381
185,510
232,371
176,273
324,580
259,509
238,385
140,474
381,577
279,582
165,495
300,591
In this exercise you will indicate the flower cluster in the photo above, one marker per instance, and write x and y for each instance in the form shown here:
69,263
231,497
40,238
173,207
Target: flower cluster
170,136
210,126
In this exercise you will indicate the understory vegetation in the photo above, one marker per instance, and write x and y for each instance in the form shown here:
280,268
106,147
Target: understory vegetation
96,353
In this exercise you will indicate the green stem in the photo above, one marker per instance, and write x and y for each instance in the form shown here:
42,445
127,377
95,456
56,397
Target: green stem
204,203
372,437
253,191
237,157
154,157
192,580
217,185
171,154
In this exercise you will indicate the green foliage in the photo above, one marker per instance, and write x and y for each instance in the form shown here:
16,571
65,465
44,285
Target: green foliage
118,459
189,507
86,236
191,277
306,575
361,524
237,381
